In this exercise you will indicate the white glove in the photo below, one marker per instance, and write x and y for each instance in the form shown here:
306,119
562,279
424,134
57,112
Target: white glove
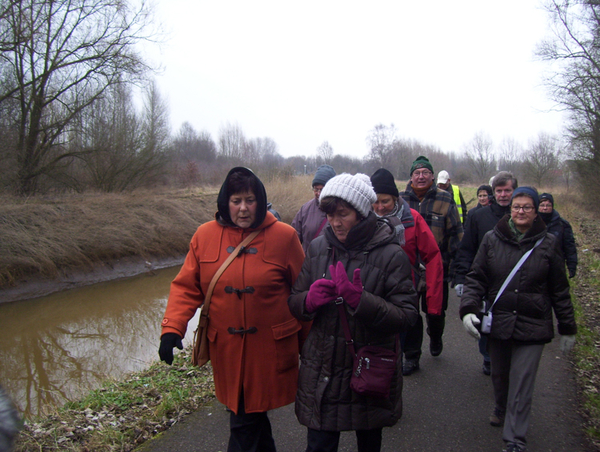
567,343
469,322
459,289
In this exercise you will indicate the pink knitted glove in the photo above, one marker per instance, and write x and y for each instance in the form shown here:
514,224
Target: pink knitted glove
321,292
349,291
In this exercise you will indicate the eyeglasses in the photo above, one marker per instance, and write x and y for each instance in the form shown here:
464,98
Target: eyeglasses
424,173
525,209
317,190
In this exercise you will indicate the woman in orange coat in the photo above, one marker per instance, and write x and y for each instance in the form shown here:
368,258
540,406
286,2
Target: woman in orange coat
253,338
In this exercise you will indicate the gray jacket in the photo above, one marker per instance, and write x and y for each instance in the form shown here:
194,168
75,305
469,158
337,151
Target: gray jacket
309,222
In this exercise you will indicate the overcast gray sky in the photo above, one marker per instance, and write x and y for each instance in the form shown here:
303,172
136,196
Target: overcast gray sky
305,72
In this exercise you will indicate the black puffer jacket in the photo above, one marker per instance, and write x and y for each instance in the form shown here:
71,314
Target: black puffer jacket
388,306
563,231
479,223
524,310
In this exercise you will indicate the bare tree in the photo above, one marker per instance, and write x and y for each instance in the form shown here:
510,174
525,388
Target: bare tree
380,141
574,80
118,148
192,155
511,156
106,138
156,129
192,146
58,58
543,160
480,156
325,152
232,142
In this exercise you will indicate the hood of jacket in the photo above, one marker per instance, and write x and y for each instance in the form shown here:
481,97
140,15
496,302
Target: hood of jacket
223,216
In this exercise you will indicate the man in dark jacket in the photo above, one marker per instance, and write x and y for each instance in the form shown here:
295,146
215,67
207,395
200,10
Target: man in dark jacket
478,224
562,229
441,215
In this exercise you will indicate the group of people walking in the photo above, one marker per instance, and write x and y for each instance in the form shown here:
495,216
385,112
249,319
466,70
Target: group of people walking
289,310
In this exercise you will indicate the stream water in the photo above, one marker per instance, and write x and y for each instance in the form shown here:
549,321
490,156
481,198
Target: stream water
56,348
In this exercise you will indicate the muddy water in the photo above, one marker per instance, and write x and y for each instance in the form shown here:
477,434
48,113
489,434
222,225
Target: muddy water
56,348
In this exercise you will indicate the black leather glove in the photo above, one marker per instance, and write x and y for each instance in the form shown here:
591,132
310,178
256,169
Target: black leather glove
572,273
168,342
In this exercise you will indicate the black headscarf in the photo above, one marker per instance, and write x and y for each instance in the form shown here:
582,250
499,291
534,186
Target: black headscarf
257,188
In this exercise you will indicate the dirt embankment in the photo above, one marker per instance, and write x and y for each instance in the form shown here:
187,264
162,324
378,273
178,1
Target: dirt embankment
52,245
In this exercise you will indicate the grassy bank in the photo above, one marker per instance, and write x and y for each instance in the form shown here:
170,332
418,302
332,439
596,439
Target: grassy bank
50,237
122,415
586,296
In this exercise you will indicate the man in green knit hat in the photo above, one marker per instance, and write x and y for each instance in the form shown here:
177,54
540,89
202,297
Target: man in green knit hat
439,211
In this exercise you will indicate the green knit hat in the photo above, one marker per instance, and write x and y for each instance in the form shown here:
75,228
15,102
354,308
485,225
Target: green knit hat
421,162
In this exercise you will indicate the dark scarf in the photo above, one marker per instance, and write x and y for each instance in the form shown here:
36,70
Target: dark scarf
359,235
546,216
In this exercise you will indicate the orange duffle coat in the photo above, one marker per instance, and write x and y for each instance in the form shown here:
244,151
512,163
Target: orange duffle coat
251,295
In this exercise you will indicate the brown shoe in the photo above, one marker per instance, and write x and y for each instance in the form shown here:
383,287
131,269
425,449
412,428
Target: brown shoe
497,418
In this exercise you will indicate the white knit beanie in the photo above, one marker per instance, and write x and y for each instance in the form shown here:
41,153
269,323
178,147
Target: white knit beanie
355,190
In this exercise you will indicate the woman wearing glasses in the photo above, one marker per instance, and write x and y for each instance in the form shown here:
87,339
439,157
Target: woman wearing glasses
524,292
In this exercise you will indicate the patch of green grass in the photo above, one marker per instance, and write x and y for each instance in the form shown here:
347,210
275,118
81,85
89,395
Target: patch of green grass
122,415
587,349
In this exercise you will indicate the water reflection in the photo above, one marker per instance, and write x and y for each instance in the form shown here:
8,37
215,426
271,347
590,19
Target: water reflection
54,349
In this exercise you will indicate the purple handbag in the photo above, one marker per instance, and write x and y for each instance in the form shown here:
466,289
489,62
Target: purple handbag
374,367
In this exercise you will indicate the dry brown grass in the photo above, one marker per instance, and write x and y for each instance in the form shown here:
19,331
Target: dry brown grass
288,195
50,237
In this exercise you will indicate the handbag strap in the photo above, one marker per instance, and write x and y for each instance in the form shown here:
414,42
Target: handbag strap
339,302
320,228
513,271
346,327
211,287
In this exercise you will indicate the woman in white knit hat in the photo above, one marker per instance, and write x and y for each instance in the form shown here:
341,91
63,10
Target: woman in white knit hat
357,260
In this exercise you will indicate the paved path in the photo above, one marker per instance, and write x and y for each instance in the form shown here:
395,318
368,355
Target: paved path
446,408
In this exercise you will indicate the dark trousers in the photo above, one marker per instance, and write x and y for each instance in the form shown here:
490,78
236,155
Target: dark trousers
413,340
250,432
483,348
325,441
514,368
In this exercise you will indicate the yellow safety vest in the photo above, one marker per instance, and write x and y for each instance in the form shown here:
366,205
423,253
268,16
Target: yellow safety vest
456,194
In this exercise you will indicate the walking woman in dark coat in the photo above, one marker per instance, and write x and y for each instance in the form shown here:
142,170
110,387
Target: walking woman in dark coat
359,259
562,229
522,314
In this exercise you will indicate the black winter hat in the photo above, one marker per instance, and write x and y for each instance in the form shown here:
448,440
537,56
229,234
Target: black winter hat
528,191
547,197
323,174
383,182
